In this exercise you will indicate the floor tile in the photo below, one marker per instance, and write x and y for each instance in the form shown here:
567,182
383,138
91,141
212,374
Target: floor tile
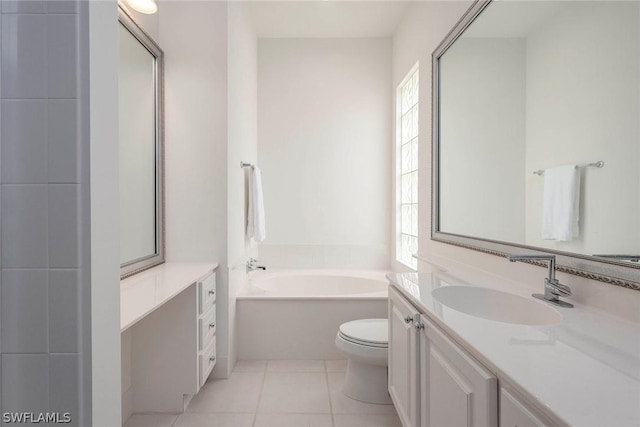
342,404
339,365
293,420
217,420
366,420
250,366
295,366
150,420
239,393
295,393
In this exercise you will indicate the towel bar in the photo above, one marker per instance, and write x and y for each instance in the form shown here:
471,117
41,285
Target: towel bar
599,164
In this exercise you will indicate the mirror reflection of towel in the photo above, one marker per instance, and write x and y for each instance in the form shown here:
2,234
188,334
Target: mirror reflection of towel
255,220
561,203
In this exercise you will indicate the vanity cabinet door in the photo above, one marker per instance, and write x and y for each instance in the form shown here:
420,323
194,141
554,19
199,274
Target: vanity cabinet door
461,392
425,378
403,354
514,413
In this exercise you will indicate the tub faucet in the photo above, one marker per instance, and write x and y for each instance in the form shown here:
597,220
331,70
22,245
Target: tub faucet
252,264
553,289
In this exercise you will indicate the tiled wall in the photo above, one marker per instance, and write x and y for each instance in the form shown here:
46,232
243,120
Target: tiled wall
40,210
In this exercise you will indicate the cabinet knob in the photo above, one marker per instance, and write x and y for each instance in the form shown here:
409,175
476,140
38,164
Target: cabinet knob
212,292
212,359
419,325
408,319
212,325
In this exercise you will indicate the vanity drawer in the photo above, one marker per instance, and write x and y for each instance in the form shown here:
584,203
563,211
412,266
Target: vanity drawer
207,293
207,361
207,328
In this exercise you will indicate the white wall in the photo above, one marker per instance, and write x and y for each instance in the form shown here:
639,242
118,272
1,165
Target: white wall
105,260
422,29
324,132
482,129
194,41
565,123
418,34
242,121
150,25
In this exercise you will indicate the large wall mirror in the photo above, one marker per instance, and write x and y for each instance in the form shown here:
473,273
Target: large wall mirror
141,149
537,134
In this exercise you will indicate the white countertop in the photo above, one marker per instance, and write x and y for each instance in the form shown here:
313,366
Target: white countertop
584,370
144,292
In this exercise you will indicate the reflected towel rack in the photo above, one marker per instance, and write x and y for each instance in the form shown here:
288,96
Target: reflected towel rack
246,165
599,164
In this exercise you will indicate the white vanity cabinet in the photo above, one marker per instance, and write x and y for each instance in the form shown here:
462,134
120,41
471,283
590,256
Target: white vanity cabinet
404,372
168,328
432,381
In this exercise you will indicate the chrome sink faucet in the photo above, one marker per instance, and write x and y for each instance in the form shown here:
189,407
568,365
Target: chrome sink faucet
553,289
252,264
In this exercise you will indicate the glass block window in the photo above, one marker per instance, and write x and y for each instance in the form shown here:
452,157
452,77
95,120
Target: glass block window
407,136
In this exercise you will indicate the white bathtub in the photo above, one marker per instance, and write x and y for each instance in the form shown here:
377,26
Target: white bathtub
295,314
296,284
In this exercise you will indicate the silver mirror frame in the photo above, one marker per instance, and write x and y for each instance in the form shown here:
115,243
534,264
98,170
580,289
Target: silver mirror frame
135,266
608,271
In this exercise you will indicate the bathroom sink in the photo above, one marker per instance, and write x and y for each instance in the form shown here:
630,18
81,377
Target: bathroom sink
496,305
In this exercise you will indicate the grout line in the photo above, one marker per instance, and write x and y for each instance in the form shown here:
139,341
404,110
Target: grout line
264,377
174,424
285,413
326,377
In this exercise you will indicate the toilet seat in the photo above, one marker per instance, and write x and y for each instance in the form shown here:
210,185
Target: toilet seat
366,332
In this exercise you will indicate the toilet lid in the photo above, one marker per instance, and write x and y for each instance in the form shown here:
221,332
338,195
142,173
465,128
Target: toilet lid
367,331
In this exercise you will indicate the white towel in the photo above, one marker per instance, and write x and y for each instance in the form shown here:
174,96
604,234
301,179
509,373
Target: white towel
255,216
561,203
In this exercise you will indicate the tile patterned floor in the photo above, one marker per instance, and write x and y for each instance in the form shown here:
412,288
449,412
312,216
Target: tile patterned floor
276,393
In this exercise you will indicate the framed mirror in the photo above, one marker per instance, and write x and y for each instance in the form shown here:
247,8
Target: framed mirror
140,87
536,137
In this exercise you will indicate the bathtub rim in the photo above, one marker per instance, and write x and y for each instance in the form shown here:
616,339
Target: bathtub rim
371,274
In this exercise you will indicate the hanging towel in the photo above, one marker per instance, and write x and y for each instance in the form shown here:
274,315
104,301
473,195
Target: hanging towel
255,220
561,203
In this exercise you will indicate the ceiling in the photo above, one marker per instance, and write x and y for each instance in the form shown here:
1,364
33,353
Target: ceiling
300,19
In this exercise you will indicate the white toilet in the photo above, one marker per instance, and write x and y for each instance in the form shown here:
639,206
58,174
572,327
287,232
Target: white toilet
365,342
